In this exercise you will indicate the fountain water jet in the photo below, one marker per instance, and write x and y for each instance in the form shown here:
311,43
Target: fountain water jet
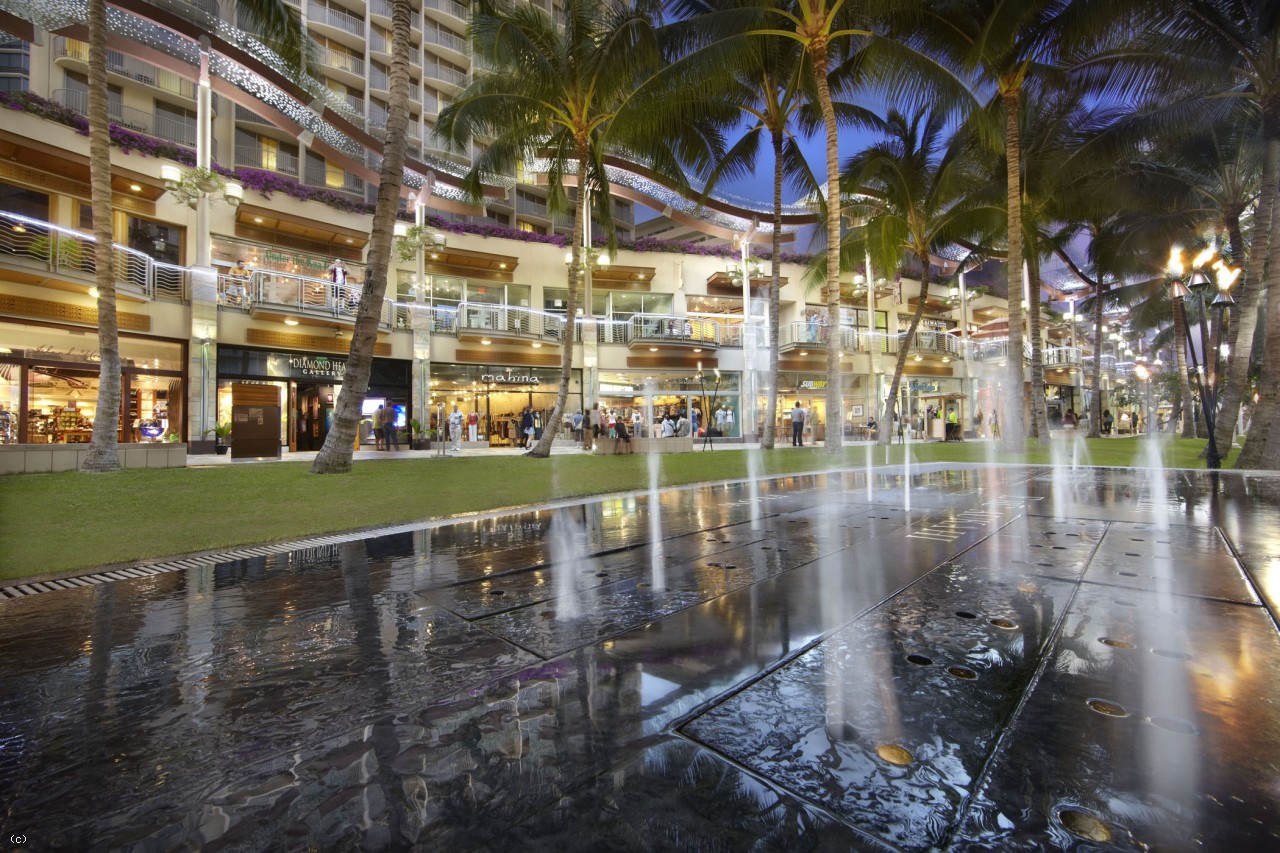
657,559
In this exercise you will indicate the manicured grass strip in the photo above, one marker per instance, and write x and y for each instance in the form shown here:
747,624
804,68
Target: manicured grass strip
67,522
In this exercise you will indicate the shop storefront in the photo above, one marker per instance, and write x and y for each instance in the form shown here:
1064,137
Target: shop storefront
308,385
497,395
49,378
810,390
712,401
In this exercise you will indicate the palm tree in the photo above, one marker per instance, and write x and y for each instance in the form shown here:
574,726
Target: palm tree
1209,178
571,91
279,26
1190,50
335,456
914,193
1006,46
102,455
776,92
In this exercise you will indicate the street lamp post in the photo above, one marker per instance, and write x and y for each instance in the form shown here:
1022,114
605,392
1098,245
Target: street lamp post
1198,283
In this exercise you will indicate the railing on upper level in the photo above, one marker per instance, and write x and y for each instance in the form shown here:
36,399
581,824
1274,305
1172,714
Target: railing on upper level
159,126
383,8
1061,356
452,7
61,250
298,293
509,321
334,17
127,66
673,329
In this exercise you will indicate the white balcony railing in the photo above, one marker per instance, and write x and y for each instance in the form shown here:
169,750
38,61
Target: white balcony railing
451,7
335,18
42,245
669,328
509,321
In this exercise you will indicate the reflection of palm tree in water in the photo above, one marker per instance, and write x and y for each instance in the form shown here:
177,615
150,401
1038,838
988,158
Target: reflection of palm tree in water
375,672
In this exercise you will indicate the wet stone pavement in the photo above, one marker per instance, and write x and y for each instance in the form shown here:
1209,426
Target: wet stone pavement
963,659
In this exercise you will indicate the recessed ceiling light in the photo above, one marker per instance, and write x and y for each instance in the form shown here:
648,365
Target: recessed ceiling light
502,265
653,349
136,187
289,321
697,349
485,341
537,344
919,358
93,291
434,256
946,359
350,240
803,352
257,219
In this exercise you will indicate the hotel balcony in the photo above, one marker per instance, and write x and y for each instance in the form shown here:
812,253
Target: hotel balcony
804,338
77,52
666,332
270,295
267,160
449,12
40,253
487,324
161,127
334,22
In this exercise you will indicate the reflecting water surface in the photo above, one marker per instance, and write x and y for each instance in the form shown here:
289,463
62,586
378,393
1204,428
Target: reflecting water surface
993,657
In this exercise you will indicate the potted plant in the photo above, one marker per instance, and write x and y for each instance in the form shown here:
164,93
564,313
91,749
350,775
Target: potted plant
221,433
419,439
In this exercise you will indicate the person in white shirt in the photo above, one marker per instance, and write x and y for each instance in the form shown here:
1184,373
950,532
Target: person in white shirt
455,428
668,429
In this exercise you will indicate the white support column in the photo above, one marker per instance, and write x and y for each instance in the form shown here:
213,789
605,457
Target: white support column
747,415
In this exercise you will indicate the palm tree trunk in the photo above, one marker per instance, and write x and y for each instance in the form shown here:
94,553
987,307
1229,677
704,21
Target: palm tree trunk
1039,412
1095,405
835,413
1012,425
887,430
1244,316
775,273
335,456
1262,444
103,452
1180,358
542,449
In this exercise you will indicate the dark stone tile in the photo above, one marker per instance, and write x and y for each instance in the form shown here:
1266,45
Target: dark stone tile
1190,764
958,648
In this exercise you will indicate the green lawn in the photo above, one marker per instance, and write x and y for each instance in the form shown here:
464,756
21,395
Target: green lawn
51,523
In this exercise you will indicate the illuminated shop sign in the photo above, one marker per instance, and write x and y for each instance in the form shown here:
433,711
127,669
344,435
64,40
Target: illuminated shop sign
812,384
317,365
511,378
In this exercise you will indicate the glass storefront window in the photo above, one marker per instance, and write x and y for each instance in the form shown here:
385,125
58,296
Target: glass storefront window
60,396
717,404
498,396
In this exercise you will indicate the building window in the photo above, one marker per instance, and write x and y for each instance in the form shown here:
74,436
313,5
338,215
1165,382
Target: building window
24,202
15,65
156,241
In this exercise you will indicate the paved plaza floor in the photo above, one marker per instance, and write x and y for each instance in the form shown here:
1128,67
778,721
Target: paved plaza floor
969,658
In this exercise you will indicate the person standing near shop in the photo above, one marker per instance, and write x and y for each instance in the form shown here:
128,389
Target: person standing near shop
389,437
455,428
577,427
526,426
798,417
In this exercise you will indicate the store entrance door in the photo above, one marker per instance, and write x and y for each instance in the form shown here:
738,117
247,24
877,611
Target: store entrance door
315,415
